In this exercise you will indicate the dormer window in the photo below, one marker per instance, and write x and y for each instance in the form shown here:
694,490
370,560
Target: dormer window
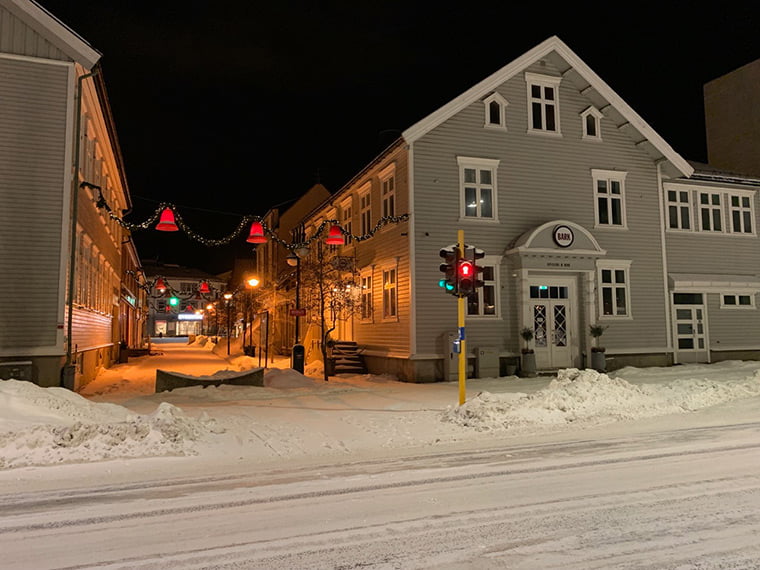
591,120
543,103
495,107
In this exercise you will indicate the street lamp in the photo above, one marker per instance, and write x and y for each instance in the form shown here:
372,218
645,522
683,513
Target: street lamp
228,299
251,283
297,354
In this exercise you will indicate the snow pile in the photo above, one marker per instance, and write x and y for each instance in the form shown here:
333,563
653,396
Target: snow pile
205,342
586,396
287,378
44,426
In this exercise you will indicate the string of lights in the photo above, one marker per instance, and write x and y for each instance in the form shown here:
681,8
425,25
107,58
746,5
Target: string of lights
169,219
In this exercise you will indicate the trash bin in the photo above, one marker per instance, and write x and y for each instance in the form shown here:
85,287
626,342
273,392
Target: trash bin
297,357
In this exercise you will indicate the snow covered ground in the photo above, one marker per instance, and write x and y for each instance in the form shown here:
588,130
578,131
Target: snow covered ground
297,416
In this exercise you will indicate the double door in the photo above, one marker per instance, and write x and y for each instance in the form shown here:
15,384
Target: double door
554,323
690,328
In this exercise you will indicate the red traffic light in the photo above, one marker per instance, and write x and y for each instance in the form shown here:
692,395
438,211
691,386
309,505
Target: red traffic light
466,268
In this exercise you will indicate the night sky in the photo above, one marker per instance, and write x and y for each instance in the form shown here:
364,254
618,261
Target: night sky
229,108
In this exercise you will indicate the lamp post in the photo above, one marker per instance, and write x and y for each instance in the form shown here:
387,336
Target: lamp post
295,261
251,283
228,300
298,353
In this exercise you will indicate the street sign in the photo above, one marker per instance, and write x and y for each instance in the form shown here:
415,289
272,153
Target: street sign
297,312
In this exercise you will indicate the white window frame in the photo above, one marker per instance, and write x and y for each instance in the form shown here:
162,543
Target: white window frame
502,103
741,209
492,261
736,297
543,82
679,206
388,190
478,164
613,266
711,208
367,312
726,209
609,176
597,116
365,208
390,292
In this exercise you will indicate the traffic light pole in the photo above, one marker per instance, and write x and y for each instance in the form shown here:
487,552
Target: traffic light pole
460,327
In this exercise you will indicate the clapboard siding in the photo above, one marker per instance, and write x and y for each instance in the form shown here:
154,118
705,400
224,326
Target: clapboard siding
539,179
388,248
19,39
33,115
90,329
731,328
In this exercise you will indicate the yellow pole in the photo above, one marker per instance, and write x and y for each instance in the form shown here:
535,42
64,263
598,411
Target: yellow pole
460,325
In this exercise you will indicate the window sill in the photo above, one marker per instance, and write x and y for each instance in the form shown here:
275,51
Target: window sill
615,318
548,134
617,228
479,220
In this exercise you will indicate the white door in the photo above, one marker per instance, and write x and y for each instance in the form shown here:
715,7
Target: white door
690,328
554,324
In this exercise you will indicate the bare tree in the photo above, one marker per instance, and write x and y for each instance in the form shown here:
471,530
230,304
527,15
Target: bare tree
330,292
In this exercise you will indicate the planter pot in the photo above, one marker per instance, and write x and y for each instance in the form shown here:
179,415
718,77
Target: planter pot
528,368
598,362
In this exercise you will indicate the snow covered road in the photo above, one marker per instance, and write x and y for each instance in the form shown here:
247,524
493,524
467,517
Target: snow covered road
685,498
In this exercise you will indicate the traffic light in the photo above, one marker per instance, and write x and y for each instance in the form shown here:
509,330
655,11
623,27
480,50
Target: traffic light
173,301
449,282
473,253
465,276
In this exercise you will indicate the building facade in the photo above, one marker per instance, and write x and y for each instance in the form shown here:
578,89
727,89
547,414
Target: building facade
585,214
183,301
60,156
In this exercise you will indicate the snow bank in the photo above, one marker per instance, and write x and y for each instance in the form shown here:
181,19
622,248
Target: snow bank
587,396
43,426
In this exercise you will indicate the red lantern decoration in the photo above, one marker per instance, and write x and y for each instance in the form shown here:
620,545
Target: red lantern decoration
167,223
257,233
160,285
335,237
204,288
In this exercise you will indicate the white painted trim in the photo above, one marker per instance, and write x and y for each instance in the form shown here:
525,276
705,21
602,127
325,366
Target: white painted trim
614,264
541,80
644,350
726,348
598,174
478,163
664,254
575,226
30,59
490,83
736,306
599,116
53,30
487,124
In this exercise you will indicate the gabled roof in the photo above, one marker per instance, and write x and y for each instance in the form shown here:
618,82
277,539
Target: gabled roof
53,30
587,81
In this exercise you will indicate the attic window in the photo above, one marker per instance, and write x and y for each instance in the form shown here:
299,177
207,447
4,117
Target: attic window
495,107
543,103
591,124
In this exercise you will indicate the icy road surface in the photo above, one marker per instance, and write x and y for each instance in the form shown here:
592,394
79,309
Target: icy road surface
686,498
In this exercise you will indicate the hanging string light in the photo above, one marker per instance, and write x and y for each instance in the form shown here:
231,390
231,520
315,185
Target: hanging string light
168,218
